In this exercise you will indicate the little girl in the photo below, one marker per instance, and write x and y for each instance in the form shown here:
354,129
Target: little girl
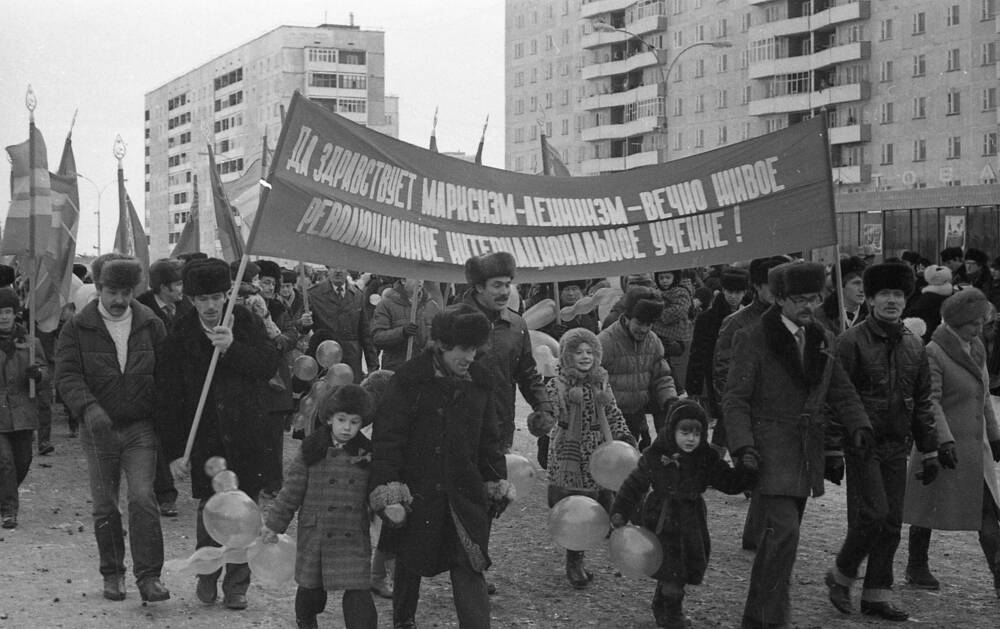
327,483
679,465
584,407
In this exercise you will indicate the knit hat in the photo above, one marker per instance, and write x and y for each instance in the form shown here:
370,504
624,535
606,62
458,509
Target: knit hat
347,398
116,271
642,303
7,275
8,298
977,255
951,253
796,278
288,276
460,325
889,276
206,276
478,269
851,267
376,383
269,268
968,305
572,339
735,279
761,267
165,271
681,410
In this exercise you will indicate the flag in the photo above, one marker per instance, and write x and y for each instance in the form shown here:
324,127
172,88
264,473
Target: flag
130,237
229,233
190,240
434,142
30,211
244,195
482,140
552,164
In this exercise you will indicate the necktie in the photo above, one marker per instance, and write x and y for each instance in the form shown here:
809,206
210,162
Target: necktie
171,310
800,340
340,292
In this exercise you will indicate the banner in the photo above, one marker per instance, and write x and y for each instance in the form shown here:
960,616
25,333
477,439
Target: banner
30,210
345,195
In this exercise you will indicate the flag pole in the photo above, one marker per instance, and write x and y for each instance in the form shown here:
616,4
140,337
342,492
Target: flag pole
302,285
31,102
418,292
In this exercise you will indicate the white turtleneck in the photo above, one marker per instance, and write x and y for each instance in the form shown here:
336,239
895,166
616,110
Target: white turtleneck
119,328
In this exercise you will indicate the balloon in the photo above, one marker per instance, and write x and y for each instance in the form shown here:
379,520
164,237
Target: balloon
545,361
84,295
582,306
299,422
514,301
214,465
612,462
305,368
225,481
635,551
521,473
606,299
578,523
340,374
273,564
541,338
329,353
232,519
320,389
541,314
205,560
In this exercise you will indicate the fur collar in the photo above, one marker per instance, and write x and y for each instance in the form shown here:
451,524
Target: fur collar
574,377
421,370
782,343
951,345
316,445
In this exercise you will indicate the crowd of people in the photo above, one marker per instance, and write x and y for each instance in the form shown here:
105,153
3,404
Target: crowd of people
771,378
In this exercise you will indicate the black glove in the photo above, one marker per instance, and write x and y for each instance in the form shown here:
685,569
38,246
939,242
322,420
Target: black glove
618,520
410,329
930,470
995,449
748,458
833,469
33,372
863,440
948,456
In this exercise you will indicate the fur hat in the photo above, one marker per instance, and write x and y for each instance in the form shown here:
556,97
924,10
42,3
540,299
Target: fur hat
977,255
7,275
572,339
187,257
582,284
761,267
80,270
796,278
8,298
638,279
289,277
269,268
937,275
734,279
889,276
966,306
165,271
249,273
376,383
347,398
116,271
206,276
478,269
951,253
460,325
850,267
642,303
681,410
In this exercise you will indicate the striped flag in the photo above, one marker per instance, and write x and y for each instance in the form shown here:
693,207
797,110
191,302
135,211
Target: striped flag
190,240
30,210
229,233
130,238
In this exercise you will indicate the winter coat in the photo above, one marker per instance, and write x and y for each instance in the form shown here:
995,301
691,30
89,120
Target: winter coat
391,314
87,369
706,331
675,323
637,371
438,435
148,299
592,434
234,424
964,414
892,378
675,509
732,324
328,487
295,307
827,314
928,307
17,410
346,321
510,363
765,403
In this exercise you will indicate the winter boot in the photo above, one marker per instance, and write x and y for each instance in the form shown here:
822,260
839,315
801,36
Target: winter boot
575,572
671,606
918,573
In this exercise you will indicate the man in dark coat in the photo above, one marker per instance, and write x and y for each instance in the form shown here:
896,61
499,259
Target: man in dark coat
781,376
437,452
105,363
852,288
340,313
233,424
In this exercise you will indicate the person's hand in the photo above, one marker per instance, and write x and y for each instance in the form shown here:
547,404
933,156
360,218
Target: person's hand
947,455
267,536
618,520
395,515
929,471
995,450
306,320
180,468
410,329
748,458
863,440
221,337
96,419
34,372
540,423
833,469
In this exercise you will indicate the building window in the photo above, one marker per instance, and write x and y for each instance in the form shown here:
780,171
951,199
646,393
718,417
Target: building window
231,166
678,72
919,107
519,106
699,103
919,65
353,82
180,198
322,55
532,103
746,22
919,150
723,62
534,47
228,79
174,103
988,53
886,113
699,68
519,79
989,9
990,143
955,147
745,95
886,154
679,107
548,71
722,99
352,57
699,138
951,15
989,98
322,79
745,133
564,126
722,29
722,135
534,75
518,50
229,101
919,23
954,59
699,32
352,105
679,141
518,135
548,129
885,30
564,97
173,237
885,71
954,103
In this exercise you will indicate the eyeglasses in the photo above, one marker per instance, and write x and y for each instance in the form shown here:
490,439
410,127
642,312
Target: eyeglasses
802,300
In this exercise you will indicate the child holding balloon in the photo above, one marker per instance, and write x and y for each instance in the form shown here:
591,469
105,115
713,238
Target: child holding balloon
586,413
327,484
680,466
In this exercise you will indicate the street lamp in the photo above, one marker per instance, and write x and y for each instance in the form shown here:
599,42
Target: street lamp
100,190
721,43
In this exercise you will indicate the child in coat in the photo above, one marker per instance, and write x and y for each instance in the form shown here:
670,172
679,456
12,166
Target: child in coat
679,465
327,484
584,406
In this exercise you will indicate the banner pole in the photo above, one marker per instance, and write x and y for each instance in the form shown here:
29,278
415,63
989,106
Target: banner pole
302,285
33,265
418,292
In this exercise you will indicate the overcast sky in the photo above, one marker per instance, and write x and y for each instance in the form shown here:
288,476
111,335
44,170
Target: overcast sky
102,56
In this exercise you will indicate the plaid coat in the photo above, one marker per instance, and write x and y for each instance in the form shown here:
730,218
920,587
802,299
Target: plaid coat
333,549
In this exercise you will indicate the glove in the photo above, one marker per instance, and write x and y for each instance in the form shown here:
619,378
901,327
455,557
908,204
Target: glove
34,372
543,452
410,329
394,516
618,520
268,536
833,469
540,423
930,470
995,450
180,468
948,456
96,419
863,440
748,458
500,493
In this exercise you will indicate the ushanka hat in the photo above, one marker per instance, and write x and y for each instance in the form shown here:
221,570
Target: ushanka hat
206,276
165,271
7,275
289,276
352,399
478,269
460,326
851,267
761,267
643,304
796,278
8,298
889,276
977,255
968,305
116,271
734,279
269,268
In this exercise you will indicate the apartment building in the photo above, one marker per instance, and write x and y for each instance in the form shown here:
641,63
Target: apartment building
235,99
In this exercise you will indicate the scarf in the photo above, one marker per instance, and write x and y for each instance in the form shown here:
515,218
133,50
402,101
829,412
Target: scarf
573,386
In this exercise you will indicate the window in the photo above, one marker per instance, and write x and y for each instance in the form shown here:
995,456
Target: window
988,53
321,79
885,71
989,98
745,95
989,9
534,75
174,103
352,57
532,103
721,29
679,141
352,105
886,154
519,106
699,103
919,107
954,103
548,99
990,143
955,147
919,150
745,132
679,107
518,50
229,101
519,79
699,32
231,166
678,72
519,135
699,68
678,38
180,197
954,60
723,62
549,44
951,15
534,46
228,79
699,138
885,29
722,135
322,55
722,99
886,113
919,65
919,23
746,22
564,126
548,71
173,237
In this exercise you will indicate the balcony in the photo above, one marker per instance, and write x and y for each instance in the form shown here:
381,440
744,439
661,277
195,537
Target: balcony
810,100
805,63
623,66
822,20
850,134
848,175
638,126
615,164
599,7
618,99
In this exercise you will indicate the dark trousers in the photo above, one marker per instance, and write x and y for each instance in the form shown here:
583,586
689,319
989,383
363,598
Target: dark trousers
358,606
639,428
163,482
15,460
769,601
237,579
43,397
468,588
875,489
753,526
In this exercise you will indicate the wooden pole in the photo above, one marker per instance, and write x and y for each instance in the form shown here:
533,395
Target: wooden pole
302,284
418,292
33,264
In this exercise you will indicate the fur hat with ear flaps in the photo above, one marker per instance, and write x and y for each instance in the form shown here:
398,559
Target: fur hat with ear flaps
796,278
681,410
478,269
347,398
642,303
7,275
206,276
734,279
119,273
889,276
269,268
460,325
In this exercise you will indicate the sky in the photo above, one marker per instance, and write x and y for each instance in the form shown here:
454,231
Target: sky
100,57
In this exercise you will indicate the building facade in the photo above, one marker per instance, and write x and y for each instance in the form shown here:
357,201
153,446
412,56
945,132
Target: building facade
233,101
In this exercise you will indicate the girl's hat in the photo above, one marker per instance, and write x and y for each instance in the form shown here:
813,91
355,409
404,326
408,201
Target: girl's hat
572,339
681,410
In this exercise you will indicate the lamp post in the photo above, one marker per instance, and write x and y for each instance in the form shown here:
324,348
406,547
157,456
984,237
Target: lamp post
100,190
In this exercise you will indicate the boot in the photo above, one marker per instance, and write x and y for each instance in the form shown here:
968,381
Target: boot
151,590
671,608
575,572
918,574
114,587
207,589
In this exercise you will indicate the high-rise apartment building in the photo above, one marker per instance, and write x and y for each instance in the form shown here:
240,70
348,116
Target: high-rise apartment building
909,89
234,100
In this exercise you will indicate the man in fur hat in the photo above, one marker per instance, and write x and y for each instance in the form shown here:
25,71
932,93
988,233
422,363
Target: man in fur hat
851,286
105,364
234,422
887,365
954,259
977,273
339,313
781,377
